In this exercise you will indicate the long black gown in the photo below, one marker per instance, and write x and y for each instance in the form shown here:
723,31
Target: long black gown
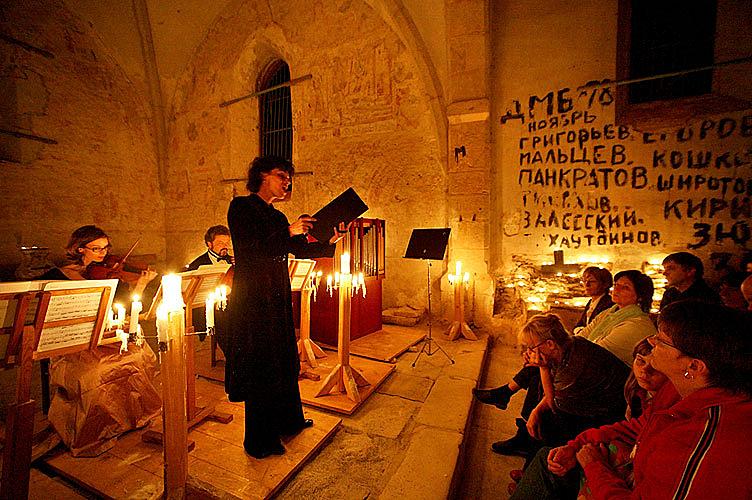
262,364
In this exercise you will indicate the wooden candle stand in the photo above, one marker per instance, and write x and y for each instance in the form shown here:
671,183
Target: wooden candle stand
459,328
344,377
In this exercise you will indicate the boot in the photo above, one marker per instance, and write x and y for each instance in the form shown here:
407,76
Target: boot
521,444
498,397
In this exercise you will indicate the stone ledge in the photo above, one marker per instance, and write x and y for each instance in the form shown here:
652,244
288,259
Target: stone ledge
435,449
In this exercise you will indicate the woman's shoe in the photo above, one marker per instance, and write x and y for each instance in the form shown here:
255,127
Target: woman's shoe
306,424
260,454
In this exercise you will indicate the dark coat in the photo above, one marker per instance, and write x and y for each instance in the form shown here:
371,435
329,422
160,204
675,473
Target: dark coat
602,305
698,290
201,260
262,358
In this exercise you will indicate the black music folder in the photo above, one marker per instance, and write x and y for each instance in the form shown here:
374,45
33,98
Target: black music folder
344,208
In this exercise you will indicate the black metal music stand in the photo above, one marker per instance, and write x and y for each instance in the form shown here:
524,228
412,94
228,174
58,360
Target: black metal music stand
428,245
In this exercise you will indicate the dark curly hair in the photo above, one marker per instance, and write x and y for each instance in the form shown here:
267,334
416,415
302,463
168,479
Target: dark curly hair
643,286
263,165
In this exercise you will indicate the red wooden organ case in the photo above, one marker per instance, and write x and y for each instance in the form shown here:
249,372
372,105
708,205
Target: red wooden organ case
365,241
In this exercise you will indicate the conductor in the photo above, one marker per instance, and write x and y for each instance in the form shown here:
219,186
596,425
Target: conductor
262,359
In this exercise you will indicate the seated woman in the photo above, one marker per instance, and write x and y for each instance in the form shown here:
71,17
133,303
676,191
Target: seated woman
625,323
692,442
597,282
99,394
583,383
617,329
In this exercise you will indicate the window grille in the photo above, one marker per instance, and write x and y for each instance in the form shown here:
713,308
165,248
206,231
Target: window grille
666,36
276,113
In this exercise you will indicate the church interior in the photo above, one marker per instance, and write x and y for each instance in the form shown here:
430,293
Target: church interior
532,139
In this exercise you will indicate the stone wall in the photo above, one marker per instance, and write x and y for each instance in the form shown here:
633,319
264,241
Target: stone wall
101,170
362,120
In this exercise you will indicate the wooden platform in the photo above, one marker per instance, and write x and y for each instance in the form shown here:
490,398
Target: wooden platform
218,465
374,371
385,344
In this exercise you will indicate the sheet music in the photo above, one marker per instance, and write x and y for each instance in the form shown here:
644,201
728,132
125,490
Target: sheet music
299,270
212,278
73,306
8,306
64,336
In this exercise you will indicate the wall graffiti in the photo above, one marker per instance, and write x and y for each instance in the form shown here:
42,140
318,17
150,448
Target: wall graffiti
585,182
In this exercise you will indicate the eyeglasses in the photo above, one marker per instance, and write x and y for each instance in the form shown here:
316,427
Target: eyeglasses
531,349
664,342
283,176
98,249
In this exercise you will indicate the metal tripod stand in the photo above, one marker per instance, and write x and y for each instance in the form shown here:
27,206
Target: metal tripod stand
428,347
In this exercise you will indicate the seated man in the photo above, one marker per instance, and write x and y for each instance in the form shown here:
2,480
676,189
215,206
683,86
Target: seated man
218,243
683,272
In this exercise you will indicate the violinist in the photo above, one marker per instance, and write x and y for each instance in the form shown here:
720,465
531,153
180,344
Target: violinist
218,244
120,394
88,251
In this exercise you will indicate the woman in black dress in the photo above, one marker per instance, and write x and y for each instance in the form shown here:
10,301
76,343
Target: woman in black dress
262,359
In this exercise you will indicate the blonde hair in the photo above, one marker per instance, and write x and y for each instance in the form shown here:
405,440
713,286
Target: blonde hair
545,327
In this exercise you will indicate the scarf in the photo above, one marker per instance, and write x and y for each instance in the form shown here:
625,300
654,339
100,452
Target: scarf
611,318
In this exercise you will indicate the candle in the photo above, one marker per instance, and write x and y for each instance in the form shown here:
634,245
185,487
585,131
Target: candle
120,318
344,266
172,295
466,278
162,322
123,337
136,307
458,270
210,311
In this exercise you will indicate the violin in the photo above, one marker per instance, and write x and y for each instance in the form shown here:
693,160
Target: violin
115,267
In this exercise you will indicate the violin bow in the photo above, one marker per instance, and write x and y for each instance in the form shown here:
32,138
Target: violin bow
128,253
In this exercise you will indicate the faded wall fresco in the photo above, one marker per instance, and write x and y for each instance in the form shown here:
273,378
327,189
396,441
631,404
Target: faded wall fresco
362,120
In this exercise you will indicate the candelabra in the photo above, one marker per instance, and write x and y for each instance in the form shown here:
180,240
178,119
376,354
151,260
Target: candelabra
459,328
346,378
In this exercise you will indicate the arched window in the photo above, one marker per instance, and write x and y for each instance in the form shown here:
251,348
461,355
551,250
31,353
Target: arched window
275,114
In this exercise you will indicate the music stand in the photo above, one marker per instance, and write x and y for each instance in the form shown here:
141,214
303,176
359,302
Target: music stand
428,245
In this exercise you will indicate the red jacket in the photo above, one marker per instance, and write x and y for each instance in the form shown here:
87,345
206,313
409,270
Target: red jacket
699,447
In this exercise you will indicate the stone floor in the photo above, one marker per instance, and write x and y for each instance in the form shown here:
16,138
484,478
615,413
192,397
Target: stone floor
420,435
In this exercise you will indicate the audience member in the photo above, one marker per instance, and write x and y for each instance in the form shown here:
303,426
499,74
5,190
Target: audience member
625,323
598,283
693,440
746,289
684,273
583,383
730,290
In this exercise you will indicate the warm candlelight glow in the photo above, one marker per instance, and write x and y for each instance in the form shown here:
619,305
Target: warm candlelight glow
162,321
120,317
136,308
172,295
210,311
344,266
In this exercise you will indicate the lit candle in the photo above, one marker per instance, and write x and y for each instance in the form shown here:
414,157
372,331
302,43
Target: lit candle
162,322
210,311
120,318
458,270
221,296
466,278
329,284
344,266
136,307
172,295
123,337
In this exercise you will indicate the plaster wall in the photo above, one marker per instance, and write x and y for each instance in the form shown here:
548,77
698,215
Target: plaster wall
623,207
363,120
101,169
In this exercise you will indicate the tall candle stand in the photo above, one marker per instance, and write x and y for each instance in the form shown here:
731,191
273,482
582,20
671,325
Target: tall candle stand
171,332
344,377
459,328
307,348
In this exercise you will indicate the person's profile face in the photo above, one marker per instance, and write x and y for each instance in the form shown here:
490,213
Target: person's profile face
277,181
221,245
96,250
676,274
647,377
593,287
